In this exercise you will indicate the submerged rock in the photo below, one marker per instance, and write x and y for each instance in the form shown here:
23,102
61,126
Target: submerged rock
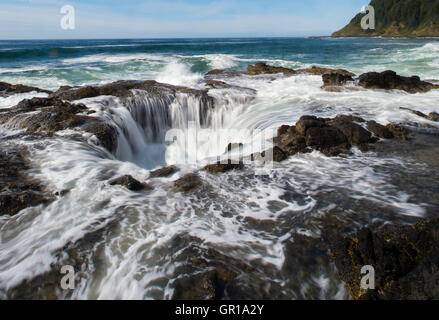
163,172
389,80
223,167
18,191
7,89
405,259
188,182
379,130
399,131
130,183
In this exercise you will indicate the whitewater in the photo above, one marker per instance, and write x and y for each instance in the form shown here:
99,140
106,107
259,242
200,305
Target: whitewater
140,245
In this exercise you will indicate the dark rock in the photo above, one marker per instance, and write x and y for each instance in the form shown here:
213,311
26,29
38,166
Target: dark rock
123,89
405,259
379,130
399,131
324,137
130,183
277,153
188,182
262,68
49,115
355,133
307,122
389,80
216,84
322,71
163,172
336,79
17,190
285,129
433,116
7,89
223,167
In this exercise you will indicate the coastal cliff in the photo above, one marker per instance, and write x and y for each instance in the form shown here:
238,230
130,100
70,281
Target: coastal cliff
397,18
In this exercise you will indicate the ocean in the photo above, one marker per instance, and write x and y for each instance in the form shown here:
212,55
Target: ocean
264,230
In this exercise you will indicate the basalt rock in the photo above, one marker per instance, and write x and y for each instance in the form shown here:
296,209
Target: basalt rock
216,84
405,259
130,183
379,130
336,79
432,116
399,131
262,68
389,80
330,136
188,183
163,172
18,190
7,89
323,71
49,115
223,167
123,89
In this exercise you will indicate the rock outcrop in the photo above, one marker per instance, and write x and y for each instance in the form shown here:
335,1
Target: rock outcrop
49,115
7,89
321,71
123,89
405,259
188,183
389,80
18,190
130,183
330,136
262,68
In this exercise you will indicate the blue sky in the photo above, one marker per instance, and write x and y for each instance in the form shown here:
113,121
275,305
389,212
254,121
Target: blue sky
40,19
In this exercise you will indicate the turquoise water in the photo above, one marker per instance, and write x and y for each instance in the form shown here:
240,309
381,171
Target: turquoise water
50,64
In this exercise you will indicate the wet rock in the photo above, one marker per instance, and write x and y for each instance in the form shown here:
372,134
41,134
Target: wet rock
262,68
188,182
355,133
323,71
222,72
216,84
49,115
123,89
405,259
223,167
324,137
399,131
379,130
7,89
307,122
232,146
332,137
336,79
433,116
389,80
277,154
18,190
130,183
163,172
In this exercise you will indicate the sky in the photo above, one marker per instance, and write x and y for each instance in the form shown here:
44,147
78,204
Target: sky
41,19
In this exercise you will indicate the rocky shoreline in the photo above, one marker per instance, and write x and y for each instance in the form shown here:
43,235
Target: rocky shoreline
406,257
